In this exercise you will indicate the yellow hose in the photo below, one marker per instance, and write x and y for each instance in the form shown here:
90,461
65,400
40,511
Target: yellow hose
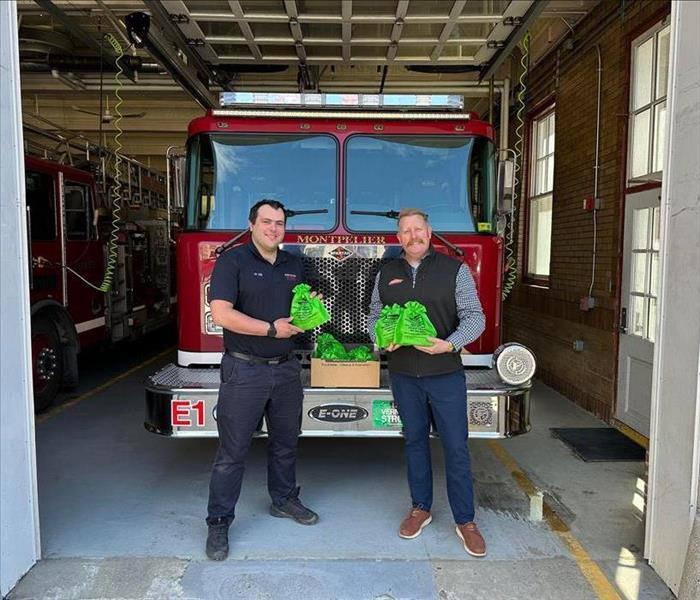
115,188
510,257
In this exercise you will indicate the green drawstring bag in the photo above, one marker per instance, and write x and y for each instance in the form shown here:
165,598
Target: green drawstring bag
328,348
414,327
307,312
360,354
385,328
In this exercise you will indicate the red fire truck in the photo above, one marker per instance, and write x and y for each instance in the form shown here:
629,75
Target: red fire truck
343,165
70,225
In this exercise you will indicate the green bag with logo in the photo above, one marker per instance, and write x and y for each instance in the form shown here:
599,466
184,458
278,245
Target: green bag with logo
414,327
385,328
307,312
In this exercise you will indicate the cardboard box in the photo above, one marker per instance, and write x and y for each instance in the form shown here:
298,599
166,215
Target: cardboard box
337,374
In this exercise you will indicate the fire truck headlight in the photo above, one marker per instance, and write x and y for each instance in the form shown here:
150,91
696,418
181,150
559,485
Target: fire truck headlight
515,363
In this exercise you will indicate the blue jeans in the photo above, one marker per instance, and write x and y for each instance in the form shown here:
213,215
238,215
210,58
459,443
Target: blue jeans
446,397
247,392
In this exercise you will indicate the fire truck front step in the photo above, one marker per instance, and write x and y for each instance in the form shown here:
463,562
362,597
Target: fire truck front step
182,402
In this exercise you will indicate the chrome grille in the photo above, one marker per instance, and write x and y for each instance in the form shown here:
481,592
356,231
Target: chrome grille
346,285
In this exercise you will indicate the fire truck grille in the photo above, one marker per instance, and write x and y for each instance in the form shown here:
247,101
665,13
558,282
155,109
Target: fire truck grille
347,289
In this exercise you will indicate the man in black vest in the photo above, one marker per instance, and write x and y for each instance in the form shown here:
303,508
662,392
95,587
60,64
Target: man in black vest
427,380
250,297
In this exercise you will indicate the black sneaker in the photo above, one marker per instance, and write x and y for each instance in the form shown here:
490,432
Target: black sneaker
292,508
217,538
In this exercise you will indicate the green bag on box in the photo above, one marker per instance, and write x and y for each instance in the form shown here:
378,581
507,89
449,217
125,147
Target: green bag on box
328,348
385,327
360,354
307,312
414,327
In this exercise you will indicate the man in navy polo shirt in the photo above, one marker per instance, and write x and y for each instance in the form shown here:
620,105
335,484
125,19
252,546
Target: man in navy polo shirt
250,297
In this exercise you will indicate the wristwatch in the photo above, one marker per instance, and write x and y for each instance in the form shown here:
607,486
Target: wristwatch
272,331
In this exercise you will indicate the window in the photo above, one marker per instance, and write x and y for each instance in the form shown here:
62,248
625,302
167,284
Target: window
644,273
42,207
76,202
387,173
647,127
541,179
237,171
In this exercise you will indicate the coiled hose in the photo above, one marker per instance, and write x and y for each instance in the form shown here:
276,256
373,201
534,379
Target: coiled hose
510,256
116,187
115,191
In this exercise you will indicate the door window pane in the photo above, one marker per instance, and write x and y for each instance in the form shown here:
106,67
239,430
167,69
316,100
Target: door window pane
639,272
651,322
640,229
654,284
643,69
640,143
644,273
638,320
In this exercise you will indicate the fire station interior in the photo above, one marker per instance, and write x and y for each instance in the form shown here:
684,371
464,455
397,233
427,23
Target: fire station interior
596,498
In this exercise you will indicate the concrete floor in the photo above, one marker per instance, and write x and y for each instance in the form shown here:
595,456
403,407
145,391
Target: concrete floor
122,514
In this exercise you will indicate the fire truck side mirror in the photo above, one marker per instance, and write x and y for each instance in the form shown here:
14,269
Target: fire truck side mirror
506,181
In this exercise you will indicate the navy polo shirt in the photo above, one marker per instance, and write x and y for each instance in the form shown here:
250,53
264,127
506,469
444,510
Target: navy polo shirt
258,289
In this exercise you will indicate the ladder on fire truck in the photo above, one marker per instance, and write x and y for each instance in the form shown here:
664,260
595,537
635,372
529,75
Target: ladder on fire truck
142,186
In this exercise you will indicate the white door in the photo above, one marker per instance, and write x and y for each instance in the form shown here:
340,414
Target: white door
640,284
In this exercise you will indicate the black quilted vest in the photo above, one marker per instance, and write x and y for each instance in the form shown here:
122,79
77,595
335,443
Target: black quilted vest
435,289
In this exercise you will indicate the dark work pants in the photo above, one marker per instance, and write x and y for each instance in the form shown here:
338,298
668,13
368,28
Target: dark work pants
446,396
247,392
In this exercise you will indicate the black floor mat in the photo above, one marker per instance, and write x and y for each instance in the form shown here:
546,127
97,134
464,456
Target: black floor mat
599,443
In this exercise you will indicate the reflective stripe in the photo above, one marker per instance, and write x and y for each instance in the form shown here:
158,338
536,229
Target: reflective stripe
88,325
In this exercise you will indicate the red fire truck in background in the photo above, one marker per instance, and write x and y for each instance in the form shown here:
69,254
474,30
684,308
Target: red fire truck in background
343,165
71,226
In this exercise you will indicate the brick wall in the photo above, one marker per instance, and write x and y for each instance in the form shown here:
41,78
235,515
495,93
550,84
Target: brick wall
548,319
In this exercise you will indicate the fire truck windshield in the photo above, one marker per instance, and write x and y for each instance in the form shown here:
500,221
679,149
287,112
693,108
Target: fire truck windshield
449,177
233,171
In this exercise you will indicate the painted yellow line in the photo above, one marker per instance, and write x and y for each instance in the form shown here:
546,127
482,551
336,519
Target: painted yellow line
66,405
635,436
588,567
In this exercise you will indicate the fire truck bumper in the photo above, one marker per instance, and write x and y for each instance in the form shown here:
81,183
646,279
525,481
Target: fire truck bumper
182,402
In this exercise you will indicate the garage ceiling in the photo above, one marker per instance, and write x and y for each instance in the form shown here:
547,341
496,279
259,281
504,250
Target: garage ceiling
204,46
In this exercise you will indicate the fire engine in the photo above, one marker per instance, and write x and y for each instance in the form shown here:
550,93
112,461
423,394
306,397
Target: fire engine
343,165
97,276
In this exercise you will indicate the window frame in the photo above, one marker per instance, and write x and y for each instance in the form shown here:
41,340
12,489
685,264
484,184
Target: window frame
50,207
87,211
651,106
544,111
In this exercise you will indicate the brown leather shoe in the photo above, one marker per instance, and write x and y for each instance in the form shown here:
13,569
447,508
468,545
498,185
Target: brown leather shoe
413,524
471,539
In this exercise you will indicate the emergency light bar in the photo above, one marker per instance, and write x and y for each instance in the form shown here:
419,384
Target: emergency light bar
343,101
